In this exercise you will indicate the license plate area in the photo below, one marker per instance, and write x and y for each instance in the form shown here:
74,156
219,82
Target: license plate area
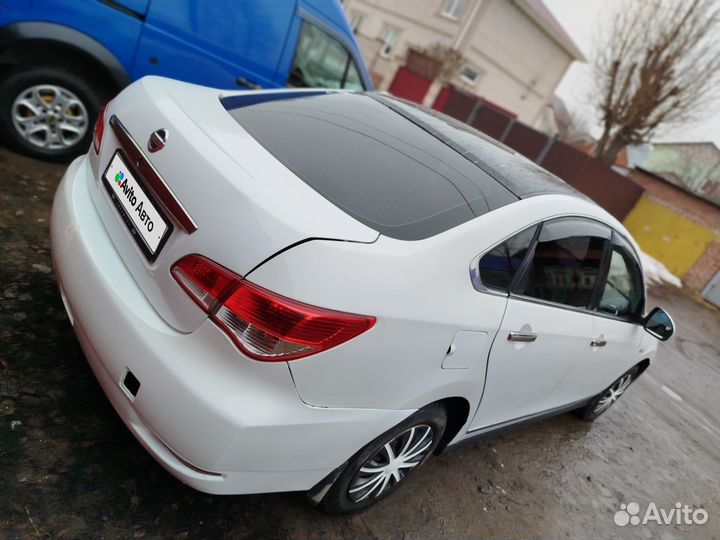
146,222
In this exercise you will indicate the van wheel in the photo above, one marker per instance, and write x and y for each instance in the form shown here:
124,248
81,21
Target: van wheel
384,464
603,401
46,112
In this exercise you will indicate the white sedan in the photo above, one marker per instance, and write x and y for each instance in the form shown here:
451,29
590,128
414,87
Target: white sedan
316,290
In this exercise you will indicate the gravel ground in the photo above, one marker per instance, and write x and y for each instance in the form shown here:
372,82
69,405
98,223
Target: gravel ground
70,469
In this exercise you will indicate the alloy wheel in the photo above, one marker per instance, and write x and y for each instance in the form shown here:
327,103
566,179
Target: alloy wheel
50,116
613,393
389,465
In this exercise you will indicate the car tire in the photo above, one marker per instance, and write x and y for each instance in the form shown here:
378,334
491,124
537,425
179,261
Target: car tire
604,400
42,103
372,474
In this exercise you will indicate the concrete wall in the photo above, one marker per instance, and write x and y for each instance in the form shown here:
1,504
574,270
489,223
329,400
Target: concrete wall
520,65
421,25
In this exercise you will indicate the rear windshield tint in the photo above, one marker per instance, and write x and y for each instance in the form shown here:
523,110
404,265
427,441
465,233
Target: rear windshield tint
370,161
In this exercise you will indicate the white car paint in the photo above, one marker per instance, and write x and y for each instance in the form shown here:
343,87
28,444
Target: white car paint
201,405
224,172
224,423
419,313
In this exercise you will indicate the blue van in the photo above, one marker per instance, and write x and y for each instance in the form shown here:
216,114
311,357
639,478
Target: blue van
61,60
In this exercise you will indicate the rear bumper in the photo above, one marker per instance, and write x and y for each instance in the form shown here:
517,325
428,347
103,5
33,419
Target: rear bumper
218,421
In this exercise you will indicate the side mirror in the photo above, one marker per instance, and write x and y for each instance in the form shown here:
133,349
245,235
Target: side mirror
659,324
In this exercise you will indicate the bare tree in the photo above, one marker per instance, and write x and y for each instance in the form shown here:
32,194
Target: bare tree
573,127
450,60
438,61
658,65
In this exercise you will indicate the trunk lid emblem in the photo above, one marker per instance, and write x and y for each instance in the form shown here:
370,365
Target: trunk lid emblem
157,140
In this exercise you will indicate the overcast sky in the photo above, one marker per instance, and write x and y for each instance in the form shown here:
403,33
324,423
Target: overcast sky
580,19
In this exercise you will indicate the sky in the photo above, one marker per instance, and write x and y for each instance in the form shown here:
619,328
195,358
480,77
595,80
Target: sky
580,18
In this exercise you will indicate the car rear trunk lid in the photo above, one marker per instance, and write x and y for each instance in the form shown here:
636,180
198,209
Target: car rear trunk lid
224,196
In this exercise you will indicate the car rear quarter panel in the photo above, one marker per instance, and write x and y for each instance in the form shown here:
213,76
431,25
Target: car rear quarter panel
422,296
199,396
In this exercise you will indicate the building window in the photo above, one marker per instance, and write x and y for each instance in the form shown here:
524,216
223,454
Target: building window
389,39
469,75
453,8
356,20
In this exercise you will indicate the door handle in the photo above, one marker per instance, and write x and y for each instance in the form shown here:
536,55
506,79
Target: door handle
242,81
598,343
522,336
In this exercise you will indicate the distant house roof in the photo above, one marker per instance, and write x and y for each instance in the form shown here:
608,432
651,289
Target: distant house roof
542,16
694,167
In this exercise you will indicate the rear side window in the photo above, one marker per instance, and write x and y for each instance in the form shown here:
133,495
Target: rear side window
566,262
497,268
321,61
623,291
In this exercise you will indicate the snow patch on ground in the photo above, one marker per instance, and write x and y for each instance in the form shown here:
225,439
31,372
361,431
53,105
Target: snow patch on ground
656,272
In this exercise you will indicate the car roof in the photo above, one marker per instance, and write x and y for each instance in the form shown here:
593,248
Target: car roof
510,168
403,170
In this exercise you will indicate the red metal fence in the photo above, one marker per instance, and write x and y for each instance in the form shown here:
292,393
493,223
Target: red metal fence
409,85
614,192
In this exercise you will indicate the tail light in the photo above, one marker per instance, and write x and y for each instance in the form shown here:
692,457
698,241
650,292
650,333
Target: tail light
264,325
203,280
99,129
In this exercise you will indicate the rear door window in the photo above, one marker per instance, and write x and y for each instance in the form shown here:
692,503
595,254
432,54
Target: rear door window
497,268
322,61
566,262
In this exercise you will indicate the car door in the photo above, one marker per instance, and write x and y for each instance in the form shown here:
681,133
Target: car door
617,330
547,324
138,7
223,43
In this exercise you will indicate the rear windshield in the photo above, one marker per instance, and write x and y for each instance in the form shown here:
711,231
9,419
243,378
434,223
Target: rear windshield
373,163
